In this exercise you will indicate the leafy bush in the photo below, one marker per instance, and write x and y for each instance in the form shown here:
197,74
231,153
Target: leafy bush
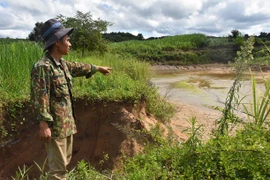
244,156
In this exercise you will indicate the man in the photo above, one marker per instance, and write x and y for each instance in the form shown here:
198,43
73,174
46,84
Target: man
51,95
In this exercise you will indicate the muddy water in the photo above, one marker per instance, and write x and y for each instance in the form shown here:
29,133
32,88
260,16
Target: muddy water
205,88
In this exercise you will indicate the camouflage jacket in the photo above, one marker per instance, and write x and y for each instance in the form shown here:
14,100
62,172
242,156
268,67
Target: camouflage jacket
51,95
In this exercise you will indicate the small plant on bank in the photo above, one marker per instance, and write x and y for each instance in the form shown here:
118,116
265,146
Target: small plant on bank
259,108
22,173
243,61
194,134
43,174
84,171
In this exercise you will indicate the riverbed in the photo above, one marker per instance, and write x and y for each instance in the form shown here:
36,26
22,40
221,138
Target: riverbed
203,87
199,92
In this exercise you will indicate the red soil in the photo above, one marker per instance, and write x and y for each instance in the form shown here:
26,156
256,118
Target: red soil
103,129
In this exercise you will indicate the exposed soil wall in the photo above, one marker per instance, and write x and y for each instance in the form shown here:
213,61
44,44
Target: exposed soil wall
111,129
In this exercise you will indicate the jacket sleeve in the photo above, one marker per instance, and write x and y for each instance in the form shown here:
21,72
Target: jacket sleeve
81,69
40,92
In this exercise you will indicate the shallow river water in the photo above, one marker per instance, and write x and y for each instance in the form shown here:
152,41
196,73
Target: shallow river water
203,88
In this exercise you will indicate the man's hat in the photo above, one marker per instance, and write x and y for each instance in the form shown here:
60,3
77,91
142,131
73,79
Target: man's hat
52,30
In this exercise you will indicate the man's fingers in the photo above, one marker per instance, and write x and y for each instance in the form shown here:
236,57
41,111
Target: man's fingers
45,132
106,70
109,69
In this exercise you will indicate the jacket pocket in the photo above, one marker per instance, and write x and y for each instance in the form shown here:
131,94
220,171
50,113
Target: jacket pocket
60,86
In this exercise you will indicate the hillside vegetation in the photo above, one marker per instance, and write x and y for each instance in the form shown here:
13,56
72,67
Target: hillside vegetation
188,49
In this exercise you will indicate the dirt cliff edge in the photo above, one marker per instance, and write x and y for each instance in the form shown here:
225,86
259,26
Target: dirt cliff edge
106,132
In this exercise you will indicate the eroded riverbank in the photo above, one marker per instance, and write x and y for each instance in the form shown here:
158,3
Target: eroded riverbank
107,131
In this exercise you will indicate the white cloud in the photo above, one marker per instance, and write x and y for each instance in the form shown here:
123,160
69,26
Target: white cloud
6,19
151,17
13,33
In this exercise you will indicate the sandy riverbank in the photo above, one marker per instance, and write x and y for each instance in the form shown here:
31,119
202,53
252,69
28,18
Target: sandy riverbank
183,113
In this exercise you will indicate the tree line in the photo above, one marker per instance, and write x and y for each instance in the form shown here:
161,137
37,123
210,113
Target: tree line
121,36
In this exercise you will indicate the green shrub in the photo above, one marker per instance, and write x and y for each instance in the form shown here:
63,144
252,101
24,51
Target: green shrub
245,156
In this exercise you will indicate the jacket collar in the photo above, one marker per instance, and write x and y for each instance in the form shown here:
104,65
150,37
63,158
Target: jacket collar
57,63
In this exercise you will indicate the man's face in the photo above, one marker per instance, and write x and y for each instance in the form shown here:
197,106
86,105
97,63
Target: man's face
64,45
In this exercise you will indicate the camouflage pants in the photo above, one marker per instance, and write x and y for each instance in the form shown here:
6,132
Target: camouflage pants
59,152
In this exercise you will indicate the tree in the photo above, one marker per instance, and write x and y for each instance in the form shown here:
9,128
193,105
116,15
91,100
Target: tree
237,38
87,34
263,35
235,33
35,34
140,36
246,36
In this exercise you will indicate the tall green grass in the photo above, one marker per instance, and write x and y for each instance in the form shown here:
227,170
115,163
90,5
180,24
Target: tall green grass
16,61
129,80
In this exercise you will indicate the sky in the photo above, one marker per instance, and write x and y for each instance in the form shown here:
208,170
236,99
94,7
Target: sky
151,18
